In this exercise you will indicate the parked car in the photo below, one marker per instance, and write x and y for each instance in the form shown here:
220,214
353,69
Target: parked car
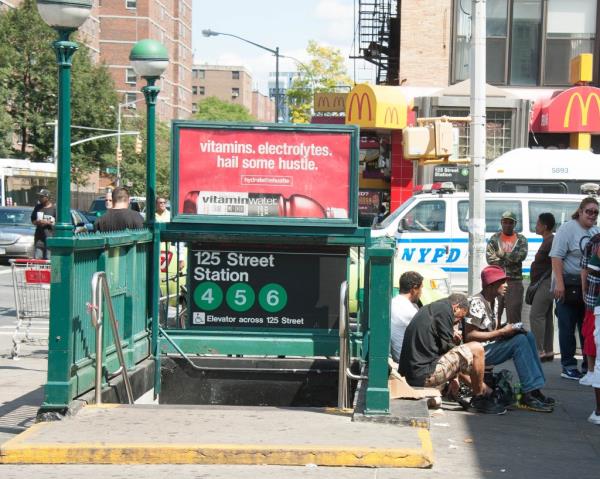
17,231
98,206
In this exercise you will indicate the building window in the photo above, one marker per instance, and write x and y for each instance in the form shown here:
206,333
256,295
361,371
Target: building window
201,74
201,90
498,131
130,98
194,107
527,44
130,77
194,90
235,75
235,92
131,4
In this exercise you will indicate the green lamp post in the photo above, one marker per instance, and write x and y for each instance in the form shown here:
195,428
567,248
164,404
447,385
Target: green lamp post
65,16
150,59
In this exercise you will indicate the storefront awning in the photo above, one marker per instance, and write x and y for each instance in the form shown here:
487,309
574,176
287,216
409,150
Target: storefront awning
377,106
576,110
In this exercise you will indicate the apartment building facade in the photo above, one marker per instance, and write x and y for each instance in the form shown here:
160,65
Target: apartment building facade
232,84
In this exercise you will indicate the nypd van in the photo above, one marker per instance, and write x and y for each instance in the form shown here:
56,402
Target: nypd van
432,227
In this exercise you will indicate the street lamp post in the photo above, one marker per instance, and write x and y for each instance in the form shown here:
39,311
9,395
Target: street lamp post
150,59
65,16
211,33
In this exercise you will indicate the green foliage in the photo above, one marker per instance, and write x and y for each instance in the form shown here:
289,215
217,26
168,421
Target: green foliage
325,72
213,109
133,166
29,89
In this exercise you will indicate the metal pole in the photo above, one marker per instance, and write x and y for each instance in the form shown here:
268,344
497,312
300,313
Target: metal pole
64,50
277,85
478,143
55,149
119,145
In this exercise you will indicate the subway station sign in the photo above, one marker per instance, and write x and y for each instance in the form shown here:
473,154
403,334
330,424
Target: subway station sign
266,174
235,289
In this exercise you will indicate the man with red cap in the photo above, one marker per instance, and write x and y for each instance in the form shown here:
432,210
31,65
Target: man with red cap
509,342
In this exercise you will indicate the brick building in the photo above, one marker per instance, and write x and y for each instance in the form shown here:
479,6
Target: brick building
232,84
114,26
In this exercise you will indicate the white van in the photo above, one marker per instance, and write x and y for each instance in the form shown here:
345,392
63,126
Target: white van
432,228
538,170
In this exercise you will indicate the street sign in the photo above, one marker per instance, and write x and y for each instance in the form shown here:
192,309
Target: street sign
264,289
111,170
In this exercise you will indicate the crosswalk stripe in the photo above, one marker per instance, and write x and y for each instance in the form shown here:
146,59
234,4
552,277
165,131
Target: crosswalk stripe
38,335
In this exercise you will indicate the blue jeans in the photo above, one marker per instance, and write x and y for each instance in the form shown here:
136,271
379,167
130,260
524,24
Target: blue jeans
569,317
522,350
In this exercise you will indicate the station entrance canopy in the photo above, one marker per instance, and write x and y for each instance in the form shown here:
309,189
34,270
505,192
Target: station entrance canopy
377,107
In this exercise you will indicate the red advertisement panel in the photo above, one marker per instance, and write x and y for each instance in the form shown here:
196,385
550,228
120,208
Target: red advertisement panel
264,173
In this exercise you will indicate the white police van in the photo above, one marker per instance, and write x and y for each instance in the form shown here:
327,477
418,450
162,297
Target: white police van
432,227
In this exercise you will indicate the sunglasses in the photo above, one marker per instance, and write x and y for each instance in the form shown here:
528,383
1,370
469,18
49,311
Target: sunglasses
591,212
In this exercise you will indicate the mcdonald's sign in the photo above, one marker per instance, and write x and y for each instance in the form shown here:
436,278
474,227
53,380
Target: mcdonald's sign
576,110
377,106
329,102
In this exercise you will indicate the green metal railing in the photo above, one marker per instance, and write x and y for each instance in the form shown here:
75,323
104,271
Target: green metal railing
125,257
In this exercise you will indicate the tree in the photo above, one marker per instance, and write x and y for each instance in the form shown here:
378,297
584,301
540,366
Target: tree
213,109
29,86
324,72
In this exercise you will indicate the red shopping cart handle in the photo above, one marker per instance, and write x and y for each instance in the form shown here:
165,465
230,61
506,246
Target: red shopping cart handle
30,261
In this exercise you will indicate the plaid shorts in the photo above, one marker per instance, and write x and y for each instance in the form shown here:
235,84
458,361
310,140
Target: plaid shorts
458,359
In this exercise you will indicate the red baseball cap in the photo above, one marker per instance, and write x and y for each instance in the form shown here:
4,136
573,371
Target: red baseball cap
491,274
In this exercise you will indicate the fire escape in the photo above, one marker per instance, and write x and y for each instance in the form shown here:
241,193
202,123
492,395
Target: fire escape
379,38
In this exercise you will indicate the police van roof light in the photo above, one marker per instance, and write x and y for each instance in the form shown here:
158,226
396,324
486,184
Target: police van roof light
591,189
438,187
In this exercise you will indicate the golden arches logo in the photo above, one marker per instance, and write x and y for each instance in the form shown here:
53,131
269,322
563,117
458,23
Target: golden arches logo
322,100
339,101
360,102
392,113
583,106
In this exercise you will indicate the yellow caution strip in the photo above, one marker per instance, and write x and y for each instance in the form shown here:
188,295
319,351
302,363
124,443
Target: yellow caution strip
17,451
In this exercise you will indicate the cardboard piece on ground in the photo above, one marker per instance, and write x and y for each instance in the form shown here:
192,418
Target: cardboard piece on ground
400,389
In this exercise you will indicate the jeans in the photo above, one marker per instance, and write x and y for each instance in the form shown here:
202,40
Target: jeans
41,252
522,350
569,317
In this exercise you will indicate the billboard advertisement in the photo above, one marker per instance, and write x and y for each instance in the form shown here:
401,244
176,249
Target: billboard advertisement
264,173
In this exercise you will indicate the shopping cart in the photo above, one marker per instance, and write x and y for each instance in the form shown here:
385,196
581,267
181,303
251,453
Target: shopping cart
31,282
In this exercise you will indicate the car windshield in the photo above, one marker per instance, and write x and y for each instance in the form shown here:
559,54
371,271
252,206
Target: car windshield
15,217
390,219
98,205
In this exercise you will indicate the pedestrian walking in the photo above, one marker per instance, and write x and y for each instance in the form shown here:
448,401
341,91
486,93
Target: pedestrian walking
566,253
43,217
508,249
120,216
542,307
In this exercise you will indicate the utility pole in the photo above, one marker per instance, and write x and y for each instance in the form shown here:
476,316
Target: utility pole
478,141
119,153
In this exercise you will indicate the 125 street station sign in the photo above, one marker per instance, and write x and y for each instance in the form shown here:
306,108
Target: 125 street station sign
264,289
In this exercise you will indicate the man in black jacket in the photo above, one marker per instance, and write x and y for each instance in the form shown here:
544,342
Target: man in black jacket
433,356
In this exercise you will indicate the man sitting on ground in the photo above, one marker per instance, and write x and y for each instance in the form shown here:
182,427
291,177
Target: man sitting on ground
431,355
404,307
509,342
120,216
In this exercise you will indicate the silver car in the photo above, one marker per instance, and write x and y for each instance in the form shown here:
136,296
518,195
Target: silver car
17,231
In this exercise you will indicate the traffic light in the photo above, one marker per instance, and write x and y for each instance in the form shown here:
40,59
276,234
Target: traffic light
119,155
138,144
433,140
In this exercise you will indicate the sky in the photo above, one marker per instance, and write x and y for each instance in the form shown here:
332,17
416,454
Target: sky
287,24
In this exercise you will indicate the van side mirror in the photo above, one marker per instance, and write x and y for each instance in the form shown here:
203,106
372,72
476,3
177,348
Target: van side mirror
403,226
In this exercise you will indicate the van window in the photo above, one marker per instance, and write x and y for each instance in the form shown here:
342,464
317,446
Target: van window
493,213
562,211
426,217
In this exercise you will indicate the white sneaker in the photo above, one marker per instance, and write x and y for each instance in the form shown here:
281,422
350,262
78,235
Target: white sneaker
587,380
594,418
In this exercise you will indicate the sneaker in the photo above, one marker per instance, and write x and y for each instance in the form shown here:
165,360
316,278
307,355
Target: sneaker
531,403
573,374
547,400
487,405
594,418
587,379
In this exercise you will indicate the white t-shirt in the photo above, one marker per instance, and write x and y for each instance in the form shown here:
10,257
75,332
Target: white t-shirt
403,310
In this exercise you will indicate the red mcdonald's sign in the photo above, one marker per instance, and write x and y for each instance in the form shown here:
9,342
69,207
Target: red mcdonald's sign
360,103
576,110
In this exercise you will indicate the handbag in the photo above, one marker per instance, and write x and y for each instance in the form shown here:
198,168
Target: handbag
573,289
533,287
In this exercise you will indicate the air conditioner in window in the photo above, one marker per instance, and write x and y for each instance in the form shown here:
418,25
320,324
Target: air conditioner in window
235,95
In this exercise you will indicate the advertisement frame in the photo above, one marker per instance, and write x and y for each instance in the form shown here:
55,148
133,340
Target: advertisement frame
331,223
